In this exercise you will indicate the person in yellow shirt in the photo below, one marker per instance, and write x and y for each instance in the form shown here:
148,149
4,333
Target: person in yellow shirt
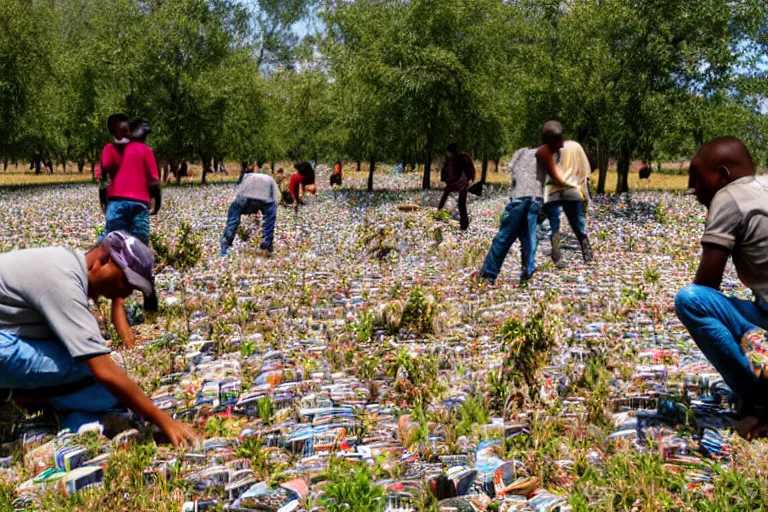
567,188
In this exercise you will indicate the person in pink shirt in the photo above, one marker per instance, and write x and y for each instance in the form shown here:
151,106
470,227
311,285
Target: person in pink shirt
134,187
112,154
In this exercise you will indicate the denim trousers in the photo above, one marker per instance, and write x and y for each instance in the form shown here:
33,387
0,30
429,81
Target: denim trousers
129,216
462,204
517,222
574,212
32,364
247,206
717,323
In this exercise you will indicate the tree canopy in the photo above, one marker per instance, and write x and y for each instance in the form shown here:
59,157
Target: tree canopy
382,80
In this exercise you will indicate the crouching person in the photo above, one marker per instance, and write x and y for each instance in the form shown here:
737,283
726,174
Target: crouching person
730,331
51,348
257,193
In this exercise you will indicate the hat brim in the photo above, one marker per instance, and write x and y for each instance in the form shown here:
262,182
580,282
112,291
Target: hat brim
138,282
134,279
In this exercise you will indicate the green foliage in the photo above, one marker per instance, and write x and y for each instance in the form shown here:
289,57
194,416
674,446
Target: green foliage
470,413
595,381
384,81
528,347
351,490
266,409
651,275
419,312
184,254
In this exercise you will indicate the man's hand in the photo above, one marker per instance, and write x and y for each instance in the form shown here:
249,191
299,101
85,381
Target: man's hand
156,196
712,266
178,433
545,157
112,377
120,321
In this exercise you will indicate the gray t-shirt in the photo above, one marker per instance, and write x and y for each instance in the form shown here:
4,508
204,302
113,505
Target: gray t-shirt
44,296
738,221
527,176
259,186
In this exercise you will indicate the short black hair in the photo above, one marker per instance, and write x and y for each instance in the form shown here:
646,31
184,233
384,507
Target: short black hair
115,119
140,128
453,147
138,122
306,170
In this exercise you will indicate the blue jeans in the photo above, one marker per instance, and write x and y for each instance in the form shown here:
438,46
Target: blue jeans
716,324
574,212
246,206
129,216
518,221
32,364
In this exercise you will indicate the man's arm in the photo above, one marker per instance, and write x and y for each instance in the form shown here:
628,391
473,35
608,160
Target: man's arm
293,188
155,195
153,179
112,377
111,158
545,157
120,321
712,266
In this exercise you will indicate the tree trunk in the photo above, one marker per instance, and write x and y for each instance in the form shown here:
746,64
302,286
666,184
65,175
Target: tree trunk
484,169
602,165
496,165
622,168
427,177
426,181
80,166
272,166
5,165
371,170
359,166
206,163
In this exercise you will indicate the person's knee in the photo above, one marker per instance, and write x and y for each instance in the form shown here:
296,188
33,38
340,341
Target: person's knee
688,299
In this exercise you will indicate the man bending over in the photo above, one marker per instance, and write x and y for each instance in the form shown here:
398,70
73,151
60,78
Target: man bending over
51,349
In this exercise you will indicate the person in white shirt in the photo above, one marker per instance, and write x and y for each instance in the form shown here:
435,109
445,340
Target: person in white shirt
256,193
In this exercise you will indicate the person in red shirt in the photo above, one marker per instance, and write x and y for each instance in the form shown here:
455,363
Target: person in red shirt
112,154
134,186
302,180
336,176
458,174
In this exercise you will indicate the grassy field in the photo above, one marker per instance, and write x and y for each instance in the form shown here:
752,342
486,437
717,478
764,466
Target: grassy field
20,177
662,182
561,358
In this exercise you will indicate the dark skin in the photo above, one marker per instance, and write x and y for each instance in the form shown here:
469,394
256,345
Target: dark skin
717,164
120,130
119,317
552,138
106,279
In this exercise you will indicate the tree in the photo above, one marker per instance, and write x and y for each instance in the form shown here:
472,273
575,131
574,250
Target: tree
422,72
25,67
